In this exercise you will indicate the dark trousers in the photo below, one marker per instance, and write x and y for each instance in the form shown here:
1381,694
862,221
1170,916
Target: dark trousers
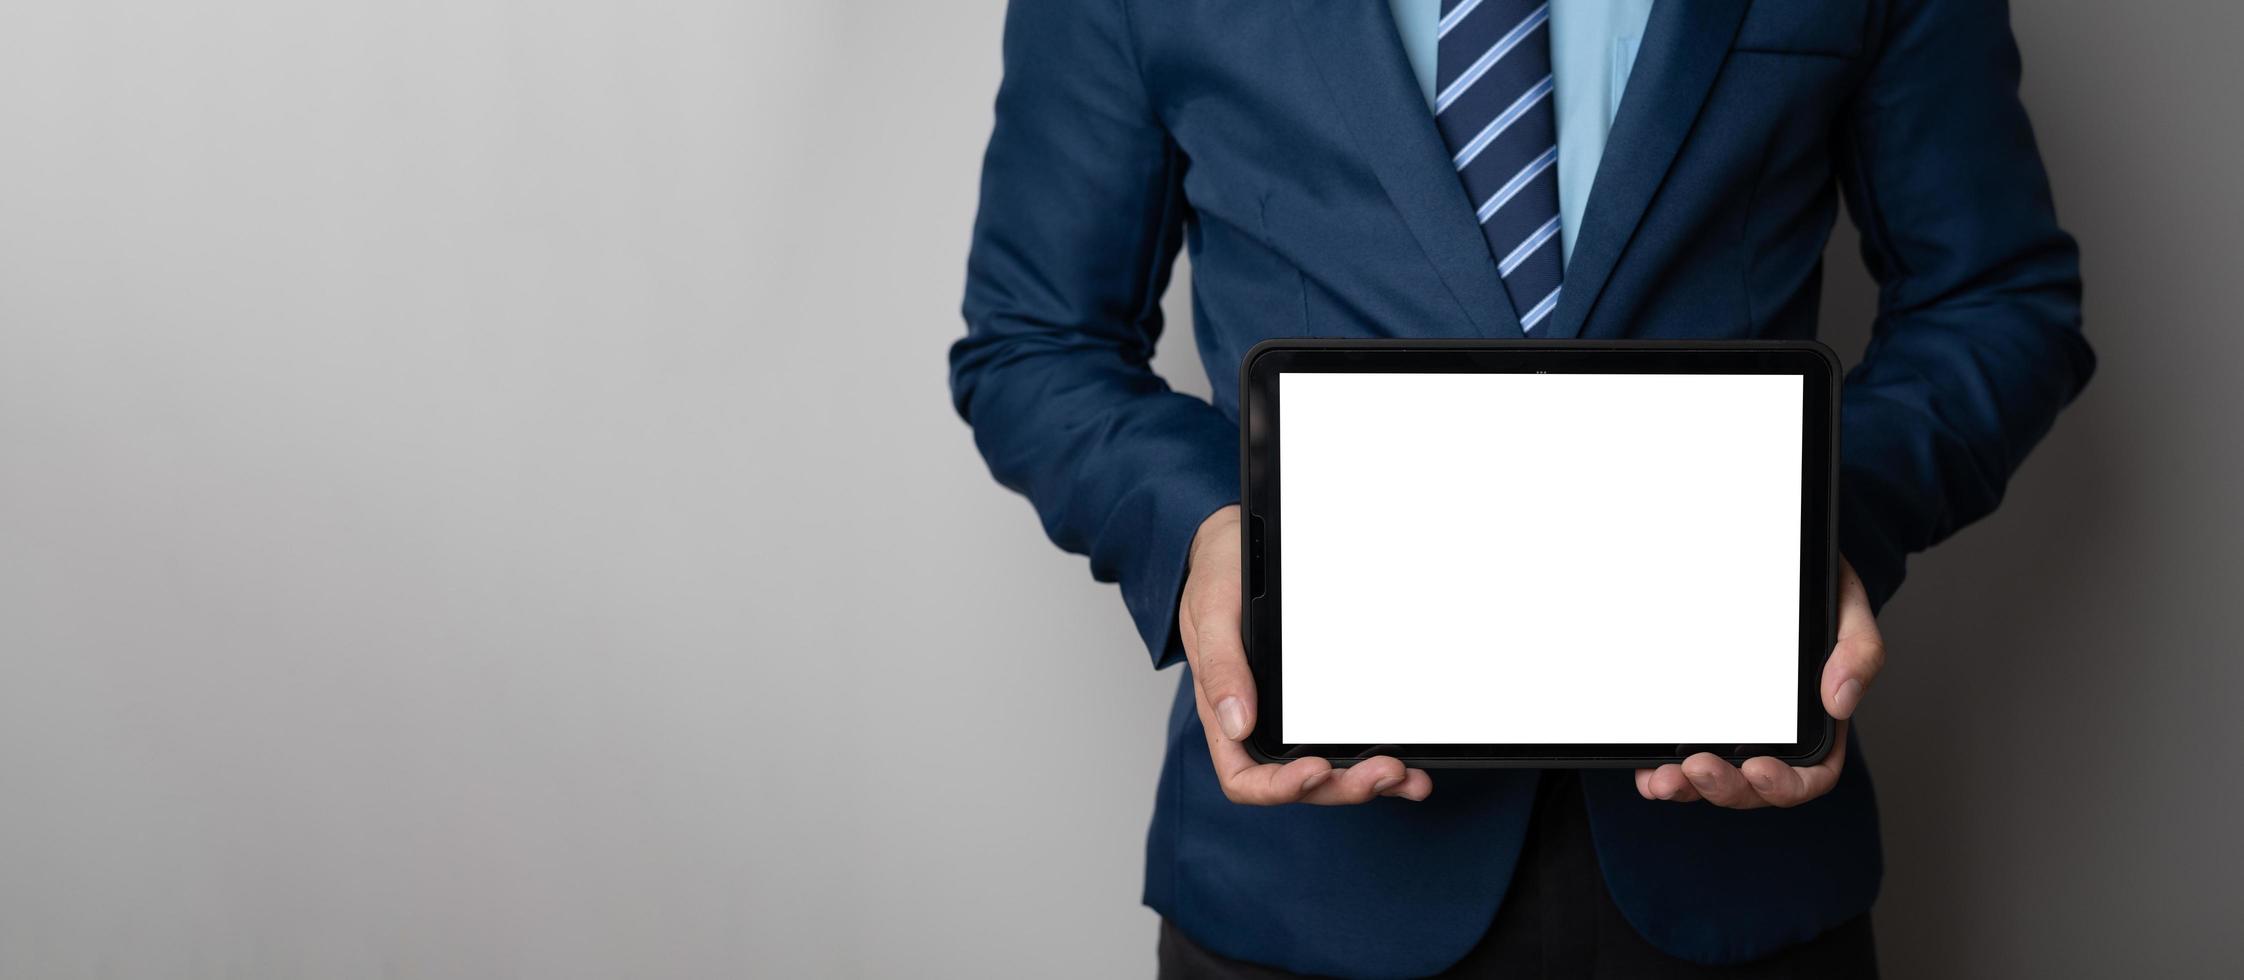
1557,921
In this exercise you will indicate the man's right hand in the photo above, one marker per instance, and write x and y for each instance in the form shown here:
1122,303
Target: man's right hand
1223,687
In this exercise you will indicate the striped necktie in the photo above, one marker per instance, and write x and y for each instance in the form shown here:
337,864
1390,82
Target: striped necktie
1493,104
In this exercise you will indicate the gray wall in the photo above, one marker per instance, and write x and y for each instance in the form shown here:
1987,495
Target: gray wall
477,499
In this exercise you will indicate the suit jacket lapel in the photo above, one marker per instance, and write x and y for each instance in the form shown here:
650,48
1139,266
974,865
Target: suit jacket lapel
1368,78
1684,46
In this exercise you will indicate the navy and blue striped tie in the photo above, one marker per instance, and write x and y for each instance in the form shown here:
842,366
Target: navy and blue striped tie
1493,103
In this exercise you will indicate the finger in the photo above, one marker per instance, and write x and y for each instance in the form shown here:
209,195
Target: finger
1720,783
1776,783
1219,662
1417,784
1822,777
1360,782
1860,653
1271,784
1644,784
1257,783
1668,783
1267,783
1783,785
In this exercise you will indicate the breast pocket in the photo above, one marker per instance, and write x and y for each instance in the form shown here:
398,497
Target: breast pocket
1835,28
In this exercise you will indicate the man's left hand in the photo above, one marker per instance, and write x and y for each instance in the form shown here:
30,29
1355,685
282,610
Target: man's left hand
1764,781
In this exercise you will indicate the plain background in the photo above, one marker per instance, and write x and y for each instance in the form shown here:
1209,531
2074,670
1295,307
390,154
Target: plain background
478,498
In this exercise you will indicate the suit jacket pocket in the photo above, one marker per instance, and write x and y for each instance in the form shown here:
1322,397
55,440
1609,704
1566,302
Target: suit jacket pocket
1834,28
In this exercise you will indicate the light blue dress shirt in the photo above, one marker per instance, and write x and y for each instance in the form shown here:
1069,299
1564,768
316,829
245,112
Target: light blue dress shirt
1593,46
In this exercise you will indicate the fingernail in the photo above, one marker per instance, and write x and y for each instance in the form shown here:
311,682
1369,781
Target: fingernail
1850,690
1314,781
1231,713
1386,784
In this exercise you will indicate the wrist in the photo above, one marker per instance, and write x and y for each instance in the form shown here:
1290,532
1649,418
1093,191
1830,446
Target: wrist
1219,529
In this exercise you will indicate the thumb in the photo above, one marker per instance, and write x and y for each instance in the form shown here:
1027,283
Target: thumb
1860,653
1219,668
1212,643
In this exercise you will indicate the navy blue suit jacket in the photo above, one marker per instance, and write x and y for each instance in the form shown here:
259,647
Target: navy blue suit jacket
1285,144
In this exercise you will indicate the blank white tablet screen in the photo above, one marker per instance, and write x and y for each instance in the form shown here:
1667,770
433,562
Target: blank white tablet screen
1521,558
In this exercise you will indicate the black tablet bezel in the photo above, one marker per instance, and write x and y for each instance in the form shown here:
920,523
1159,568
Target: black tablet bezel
1262,538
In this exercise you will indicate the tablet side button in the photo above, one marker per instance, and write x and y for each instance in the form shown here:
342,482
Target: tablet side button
1256,579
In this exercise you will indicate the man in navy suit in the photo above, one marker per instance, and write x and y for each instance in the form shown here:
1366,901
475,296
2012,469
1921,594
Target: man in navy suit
1501,168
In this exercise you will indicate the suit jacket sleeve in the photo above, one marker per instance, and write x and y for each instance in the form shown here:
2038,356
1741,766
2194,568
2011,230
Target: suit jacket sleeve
1081,215
1977,342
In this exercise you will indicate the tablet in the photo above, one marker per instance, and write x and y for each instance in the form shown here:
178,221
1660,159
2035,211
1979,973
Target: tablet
1539,553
